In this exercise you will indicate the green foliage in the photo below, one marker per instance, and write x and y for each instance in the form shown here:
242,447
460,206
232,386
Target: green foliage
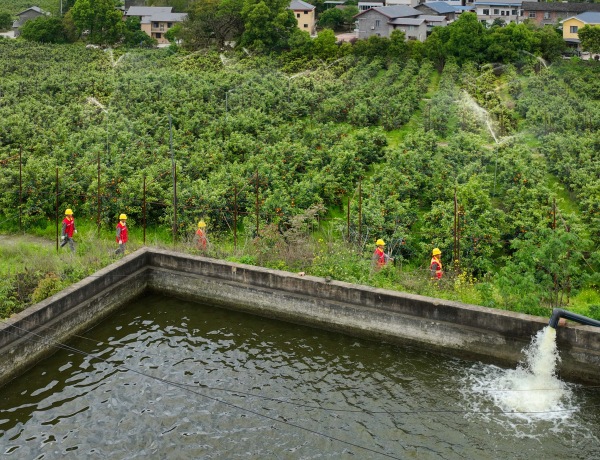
338,19
333,19
467,40
6,20
44,29
505,44
47,286
590,38
541,270
552,44
13,7
99,20
268,24
134,36
212,22
246,135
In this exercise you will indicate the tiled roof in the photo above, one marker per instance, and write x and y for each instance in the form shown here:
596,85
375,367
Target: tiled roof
37,9
147,10
299,5
570,7
440,7
396,11
498,2
589,17
165,17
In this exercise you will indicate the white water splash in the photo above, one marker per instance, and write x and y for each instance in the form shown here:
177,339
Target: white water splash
480,113
112,57
93,101
531,392
532,388
538,58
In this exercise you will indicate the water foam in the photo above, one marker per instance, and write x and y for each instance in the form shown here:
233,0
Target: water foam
530,392
533,387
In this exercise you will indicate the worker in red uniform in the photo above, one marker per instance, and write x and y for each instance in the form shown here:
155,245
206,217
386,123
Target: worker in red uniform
68,229
122,235
200,237
436,264
380,258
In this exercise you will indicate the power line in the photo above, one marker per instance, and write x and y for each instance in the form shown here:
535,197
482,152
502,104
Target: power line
187,388
308,406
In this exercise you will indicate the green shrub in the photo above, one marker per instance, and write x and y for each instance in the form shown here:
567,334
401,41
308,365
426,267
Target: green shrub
47,286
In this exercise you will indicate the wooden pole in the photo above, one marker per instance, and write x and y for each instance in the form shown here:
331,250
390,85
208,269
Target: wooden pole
360,210
257,210
20,189
57,209
144,210
99,204
174,203
235,211
456,254
348,220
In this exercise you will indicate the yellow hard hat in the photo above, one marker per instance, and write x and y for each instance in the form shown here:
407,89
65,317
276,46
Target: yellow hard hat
380,242
69,212
123,217
436,252
201,224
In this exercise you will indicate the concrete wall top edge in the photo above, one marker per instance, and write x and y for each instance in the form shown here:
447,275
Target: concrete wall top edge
307,293
353,293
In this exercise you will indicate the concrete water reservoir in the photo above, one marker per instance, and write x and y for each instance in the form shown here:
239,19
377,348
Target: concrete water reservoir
395,317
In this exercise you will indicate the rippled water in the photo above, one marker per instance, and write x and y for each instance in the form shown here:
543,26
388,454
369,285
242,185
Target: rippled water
168,379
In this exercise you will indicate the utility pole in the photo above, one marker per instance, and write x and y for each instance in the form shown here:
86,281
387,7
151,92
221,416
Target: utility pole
174,173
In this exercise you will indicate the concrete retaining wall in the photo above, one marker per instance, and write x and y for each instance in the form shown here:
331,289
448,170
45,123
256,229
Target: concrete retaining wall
37,332
450,327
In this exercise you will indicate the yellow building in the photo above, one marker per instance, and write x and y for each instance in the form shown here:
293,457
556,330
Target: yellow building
572,25
304,14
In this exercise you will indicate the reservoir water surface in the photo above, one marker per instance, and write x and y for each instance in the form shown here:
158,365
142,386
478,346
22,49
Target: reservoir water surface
169,379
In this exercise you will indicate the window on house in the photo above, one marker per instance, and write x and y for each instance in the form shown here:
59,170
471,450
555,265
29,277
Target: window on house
515,12
377,22
155,25
306,12
297,15
496,11
306,26
532,14
158,35
573,29
486,11
547,15
169,24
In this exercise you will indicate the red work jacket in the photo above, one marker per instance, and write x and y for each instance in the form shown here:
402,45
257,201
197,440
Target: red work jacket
69,224
122,232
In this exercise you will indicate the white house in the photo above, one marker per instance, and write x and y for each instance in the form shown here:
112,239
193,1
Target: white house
507,10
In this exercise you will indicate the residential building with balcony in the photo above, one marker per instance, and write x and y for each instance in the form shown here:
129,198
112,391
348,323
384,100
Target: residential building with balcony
506,10
155,21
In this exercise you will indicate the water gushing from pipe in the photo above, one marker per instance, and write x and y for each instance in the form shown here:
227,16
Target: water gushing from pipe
530,392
